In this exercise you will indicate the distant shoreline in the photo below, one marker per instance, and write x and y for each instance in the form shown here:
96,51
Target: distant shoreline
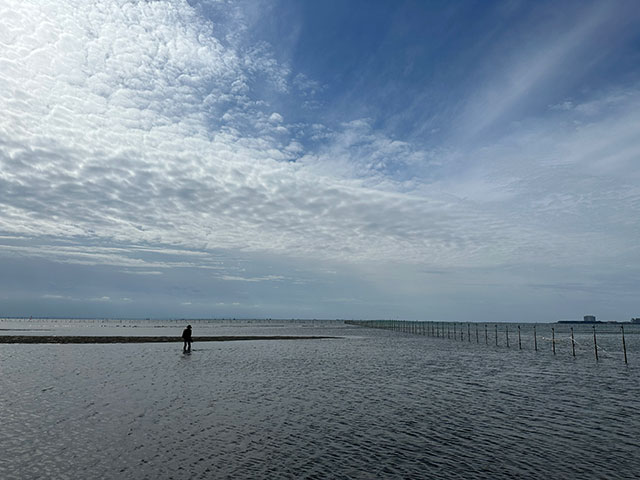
582,322
113,339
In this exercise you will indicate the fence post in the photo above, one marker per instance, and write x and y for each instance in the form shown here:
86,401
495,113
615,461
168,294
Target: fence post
477,338
486,335
595,342
573,343
519,339
535,339
553,340
507,330
496,335
624,345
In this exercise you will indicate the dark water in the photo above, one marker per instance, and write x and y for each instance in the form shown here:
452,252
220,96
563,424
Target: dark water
373,404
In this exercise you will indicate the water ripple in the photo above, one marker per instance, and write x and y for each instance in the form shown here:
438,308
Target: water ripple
374,404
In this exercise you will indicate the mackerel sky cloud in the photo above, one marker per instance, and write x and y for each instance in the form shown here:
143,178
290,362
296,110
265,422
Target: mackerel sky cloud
339,159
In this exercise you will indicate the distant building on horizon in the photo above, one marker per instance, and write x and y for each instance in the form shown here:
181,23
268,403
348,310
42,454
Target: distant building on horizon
592,319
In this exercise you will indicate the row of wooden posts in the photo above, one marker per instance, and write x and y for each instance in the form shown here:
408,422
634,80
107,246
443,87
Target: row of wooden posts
455,331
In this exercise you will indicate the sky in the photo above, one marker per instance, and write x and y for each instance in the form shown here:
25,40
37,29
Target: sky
422,160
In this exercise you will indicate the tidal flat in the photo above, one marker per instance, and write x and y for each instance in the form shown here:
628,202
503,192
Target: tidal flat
369,404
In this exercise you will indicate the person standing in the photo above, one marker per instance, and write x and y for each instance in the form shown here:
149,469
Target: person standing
186,336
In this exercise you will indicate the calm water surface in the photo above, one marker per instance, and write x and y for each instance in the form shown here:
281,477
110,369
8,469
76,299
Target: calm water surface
372,404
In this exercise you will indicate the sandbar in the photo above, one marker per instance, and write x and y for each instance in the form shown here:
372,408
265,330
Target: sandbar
141,339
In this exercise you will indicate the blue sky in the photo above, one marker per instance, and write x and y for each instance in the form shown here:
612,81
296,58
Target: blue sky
339,159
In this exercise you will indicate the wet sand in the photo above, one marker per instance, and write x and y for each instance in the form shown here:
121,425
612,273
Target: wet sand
113,339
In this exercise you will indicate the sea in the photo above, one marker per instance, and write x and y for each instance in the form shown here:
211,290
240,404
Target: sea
371,403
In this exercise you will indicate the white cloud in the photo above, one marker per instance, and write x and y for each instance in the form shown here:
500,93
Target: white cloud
117,137
276,118
143,272
522,71
132,257
100,299
268,278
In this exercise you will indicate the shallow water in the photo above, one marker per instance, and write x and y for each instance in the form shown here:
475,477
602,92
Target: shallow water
372,404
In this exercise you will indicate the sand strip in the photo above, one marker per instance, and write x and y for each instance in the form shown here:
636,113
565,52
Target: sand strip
96,339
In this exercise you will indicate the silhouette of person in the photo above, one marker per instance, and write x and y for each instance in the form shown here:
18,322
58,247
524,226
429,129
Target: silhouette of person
186,336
